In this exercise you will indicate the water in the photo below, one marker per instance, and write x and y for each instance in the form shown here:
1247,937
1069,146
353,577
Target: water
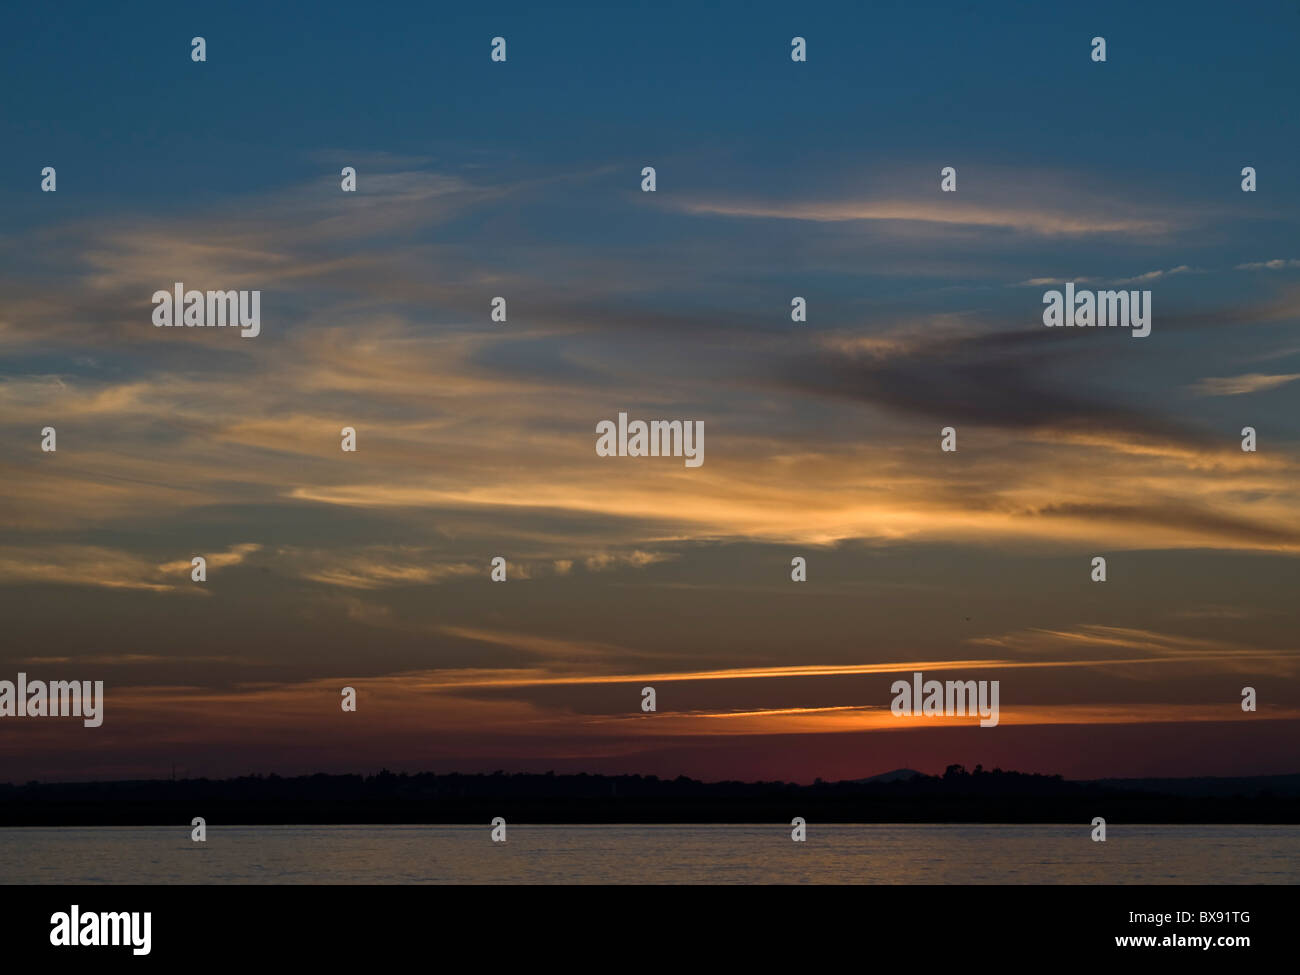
841,854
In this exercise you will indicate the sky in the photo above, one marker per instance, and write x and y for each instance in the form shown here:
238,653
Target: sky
476,439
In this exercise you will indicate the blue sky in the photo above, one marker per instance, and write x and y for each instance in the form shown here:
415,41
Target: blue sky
775,179
1188,89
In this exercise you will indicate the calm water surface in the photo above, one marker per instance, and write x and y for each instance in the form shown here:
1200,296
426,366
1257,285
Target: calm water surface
849,854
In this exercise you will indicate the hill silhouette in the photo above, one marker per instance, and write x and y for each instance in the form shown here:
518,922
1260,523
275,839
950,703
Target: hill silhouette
896,774
977,796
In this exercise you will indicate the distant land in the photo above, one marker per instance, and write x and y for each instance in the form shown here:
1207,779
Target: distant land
901,796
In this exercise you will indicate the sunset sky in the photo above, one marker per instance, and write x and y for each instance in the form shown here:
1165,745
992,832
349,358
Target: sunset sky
775,179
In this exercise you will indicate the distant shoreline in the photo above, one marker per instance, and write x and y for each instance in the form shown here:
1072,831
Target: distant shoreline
904,798
1116,813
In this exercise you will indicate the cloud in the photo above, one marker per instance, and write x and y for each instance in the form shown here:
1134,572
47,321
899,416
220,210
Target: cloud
1157,654
1043,221
1136,279
138,659
554,649
1187,651
1277,264
1253,382
842,719
1046,282
217,560
1156,275
72,564
373,567
636,559
993,378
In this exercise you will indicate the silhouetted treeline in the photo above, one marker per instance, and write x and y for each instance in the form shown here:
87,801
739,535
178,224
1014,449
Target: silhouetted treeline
956,796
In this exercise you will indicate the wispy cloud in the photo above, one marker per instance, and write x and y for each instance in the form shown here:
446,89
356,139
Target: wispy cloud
1158,274
1277,264
1252,382
838,720
70,564
1072,222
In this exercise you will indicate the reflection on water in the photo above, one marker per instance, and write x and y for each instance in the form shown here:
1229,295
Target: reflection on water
874,854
